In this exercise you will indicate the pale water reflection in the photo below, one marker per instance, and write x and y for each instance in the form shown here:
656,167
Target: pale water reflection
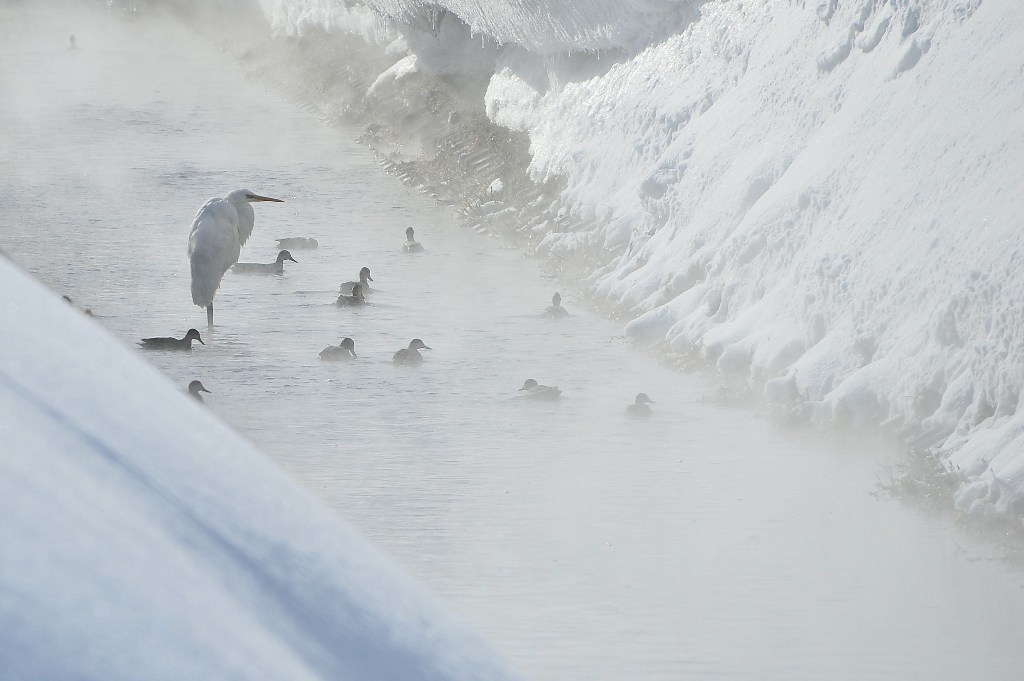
704,542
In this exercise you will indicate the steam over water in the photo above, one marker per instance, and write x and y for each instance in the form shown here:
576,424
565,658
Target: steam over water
703,542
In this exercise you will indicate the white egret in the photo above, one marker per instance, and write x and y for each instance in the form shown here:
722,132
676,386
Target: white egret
218,232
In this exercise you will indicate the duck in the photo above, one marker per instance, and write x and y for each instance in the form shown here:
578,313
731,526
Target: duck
298,242
411,245
555,310
171,343
537,391
194,388
355,299
276,267
639,408
410,355
344,351
364,276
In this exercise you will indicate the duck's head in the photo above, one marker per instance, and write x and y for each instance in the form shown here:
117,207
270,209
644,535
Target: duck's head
349,345
285,255
556,299
364,274
193,335
642,398
197,387
530,384
409,233
314,243
417,344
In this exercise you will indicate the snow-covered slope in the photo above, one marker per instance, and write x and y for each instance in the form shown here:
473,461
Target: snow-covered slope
140,538
541,26
820,198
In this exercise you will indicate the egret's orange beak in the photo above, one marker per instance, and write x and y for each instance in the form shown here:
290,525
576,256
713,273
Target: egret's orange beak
257,197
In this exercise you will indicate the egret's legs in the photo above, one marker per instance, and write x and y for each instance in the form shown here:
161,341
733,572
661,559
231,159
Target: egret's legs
209,315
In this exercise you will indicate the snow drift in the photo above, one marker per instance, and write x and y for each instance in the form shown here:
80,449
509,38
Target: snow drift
143,539
821,199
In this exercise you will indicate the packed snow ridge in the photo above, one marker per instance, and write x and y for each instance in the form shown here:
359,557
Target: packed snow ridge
822,199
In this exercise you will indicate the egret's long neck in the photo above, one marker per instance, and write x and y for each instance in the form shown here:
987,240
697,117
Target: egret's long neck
246,220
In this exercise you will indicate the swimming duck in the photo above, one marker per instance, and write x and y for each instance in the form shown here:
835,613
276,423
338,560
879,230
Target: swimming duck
411,245
194,388
639,408
276,267
537,391
410,355
343,351
299,242
355,299
171,343
555,310
364,276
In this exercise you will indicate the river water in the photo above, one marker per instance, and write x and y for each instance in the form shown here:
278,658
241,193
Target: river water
705,542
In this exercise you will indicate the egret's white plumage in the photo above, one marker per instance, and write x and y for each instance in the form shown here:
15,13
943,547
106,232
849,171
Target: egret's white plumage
218,232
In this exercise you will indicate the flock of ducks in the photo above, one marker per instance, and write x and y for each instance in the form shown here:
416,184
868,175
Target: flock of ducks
353,293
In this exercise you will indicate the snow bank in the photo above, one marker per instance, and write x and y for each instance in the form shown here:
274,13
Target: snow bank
541,26
820,198
142,539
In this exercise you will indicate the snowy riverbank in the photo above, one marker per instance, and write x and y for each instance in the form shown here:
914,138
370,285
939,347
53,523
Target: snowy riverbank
820,199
